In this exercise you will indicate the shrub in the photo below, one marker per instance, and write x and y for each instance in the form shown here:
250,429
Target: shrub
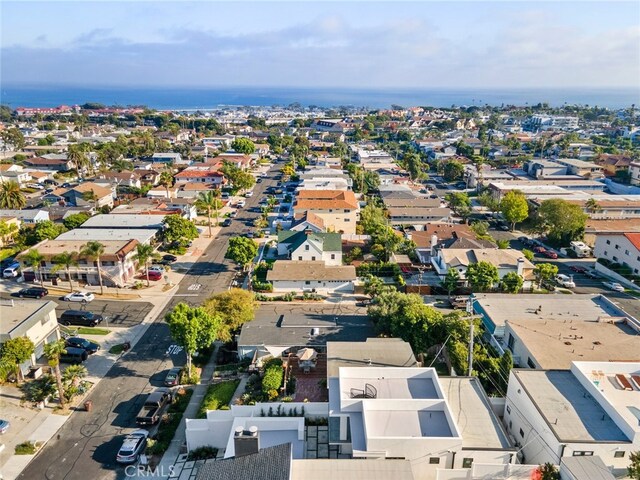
273,375
26,448
202,453
180,401
217,396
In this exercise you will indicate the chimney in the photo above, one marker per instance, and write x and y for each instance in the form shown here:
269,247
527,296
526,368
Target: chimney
434,242
246,442
521,267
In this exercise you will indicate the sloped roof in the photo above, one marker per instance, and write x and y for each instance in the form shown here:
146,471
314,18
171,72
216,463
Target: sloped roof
271,463
325,199
634,238
331,242
294,270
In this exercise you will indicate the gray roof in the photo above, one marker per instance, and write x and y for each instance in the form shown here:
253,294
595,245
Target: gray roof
375,352
586,468
271,463
124,221
18,316
296,270
411,202
27,214
290,325
142,235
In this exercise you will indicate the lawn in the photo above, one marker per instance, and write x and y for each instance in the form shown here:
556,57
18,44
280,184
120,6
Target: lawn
93,331
218,395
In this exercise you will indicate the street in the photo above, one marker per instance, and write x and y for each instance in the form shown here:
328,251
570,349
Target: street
86,446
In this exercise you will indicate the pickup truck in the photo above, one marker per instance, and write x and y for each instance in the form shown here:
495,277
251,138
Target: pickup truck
153,406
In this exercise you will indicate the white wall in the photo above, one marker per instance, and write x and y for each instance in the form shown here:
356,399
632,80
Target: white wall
625,253
320,286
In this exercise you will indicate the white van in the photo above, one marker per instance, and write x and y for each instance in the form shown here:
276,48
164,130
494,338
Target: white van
12,271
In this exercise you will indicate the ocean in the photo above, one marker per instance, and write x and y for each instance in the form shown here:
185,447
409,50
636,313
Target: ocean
186,98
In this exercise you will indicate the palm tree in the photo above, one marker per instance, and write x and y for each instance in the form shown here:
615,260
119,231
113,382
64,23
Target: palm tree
166,180
144,254
71,378
65,260
53,351
11,197
77,155
94,250
592,206
209,201
34,259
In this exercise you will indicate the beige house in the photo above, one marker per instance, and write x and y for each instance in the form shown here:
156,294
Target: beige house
506,261
338,209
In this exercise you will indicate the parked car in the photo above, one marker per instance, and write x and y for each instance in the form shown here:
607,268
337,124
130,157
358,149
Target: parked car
565,281
591,273
132,446
539,249
241,203
226,222
156,268
74,355
32,292
248,194
86,345
79,296
154,275
524,240
151,411
550,254
614,286
80,317
4,426
577,269
173,377
166,259
11,271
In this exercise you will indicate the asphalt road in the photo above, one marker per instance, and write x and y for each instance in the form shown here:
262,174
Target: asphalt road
86,445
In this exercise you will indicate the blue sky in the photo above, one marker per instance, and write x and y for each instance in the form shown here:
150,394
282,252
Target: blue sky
322,44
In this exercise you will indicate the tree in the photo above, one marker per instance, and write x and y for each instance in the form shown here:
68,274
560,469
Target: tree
482,276
11,197
166,180
481,229
7,231
528,254
192,328
514,207
52,351
34,259
511,283
450,281
372,219
489,202
243,145
374,286
209,201
94,250
179,230
71,378
242,250
545,272
563,221
12,136
144,254
548,471
75,220
239,179
65,260
634,465
592,206
13,353
76,154
460,203
453,170
235,307
502,243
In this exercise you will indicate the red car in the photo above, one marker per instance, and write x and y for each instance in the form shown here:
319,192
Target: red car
550,254
539,249
153,275
577,269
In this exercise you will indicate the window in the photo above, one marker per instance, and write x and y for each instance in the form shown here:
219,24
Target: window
606,254
617,247
436,460
510,425
522,433
530,363
467,462
608,242
306,248
307,282
618,454
313,258
299,258
582,454
508,409
614,258
510,342
333,256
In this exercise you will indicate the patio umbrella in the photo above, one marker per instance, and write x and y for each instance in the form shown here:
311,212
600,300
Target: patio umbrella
307,354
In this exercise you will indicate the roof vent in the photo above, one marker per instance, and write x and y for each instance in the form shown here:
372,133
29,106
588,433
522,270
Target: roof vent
315,331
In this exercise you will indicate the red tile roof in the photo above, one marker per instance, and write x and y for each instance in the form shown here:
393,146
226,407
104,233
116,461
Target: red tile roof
634,238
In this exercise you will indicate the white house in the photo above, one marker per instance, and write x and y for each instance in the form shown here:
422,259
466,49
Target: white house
311,246
307,276
506,260
634,173
622,248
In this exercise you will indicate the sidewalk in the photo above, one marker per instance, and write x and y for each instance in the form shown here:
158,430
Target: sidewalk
174,457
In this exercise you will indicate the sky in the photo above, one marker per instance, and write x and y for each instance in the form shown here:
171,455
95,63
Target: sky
453,44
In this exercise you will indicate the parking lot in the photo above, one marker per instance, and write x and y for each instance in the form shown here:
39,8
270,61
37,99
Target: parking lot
116,313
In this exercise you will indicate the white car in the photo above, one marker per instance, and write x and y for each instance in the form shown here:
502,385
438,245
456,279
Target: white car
263,175
241,203
35,185
132,446
157,268
565,281
248,194
614,286
79,296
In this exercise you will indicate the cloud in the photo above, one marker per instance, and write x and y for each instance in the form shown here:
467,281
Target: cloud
335,51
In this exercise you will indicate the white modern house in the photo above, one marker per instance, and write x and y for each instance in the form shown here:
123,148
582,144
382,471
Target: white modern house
311,246
622,248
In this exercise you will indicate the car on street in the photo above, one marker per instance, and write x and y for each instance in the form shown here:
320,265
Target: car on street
241,203
78,342
4,426
524,240
227,222
539,249
80,317
233,214
79,296
613,286
166,259
577,269
550,254
132,446
264,175
173,377
157,268
32,292
591,273
565,281
154,275
248,194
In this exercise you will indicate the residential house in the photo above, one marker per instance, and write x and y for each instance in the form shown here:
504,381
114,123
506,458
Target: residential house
311,276
168,157
125,222
308,221
418,218
505,260
587,410
613,164
444,235
240,160
338,209
621,248
117,263
34,319
31,216
311,246
158,206
209,175
57,165
148,176
333,125
118,179
15,173
81,195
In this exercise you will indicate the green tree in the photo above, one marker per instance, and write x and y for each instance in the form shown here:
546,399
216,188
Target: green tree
489,202
237,177
374,286
144,255
209,201
7,231
94,250
235,307
545,272
450,281
52,351
243,145
166,180
13,353
502,244
242,250
34,259
481,229
453,170
12,136
71,378
634,465
548,471
514,207
562,221
511,283
482,276
46,230
592,206
76,153
179,230
11,197
460,203
192,328
64,261
372,219
528,254
75,220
